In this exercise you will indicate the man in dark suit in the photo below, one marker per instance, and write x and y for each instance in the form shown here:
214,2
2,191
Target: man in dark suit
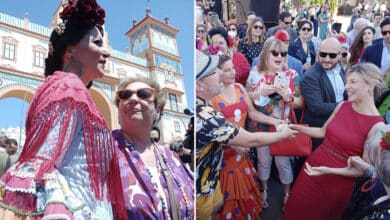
322,86
379,52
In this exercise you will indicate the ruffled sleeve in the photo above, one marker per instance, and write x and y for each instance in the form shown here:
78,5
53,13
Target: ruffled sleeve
61,125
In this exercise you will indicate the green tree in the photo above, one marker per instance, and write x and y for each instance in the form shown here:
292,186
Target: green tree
332,7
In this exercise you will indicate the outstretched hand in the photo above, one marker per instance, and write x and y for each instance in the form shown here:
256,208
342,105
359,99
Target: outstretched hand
316,171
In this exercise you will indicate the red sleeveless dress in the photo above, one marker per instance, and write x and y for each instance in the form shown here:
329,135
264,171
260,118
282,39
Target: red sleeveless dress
238,177
326,197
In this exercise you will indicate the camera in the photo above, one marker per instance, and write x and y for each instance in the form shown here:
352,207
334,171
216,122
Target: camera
176,146
280,80
275,96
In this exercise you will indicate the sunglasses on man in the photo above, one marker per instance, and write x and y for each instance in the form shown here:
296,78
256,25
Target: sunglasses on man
331,55
384,33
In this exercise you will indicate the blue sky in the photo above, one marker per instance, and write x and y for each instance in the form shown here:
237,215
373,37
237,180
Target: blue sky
119,16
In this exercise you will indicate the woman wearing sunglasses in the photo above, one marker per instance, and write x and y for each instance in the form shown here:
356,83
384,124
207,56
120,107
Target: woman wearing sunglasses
252,44
344,55
272,85
362,40
201,33
302,48
155,183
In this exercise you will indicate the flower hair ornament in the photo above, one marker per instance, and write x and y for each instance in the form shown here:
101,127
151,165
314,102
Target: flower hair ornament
213,49
385,141
282,36
83,13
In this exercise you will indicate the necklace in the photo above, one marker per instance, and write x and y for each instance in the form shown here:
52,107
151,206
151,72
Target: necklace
164,164
166,169
160,194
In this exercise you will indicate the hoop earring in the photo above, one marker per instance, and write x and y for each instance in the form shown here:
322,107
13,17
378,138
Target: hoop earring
77,64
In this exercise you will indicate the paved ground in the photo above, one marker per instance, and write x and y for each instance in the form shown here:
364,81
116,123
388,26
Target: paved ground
275,201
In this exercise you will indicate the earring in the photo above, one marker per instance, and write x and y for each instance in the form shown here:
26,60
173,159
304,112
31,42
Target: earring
76,63
155,120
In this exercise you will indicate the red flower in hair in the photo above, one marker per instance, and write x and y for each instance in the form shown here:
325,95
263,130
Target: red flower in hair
83,13
385,141
213,49
341,38
282,36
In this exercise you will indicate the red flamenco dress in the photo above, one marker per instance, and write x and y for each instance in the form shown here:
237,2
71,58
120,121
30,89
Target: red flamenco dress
327,196
238,177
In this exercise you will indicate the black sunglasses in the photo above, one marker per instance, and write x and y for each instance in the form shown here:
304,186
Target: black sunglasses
384,33
258,27
306,29
344,54
331,55
145,93
200,31
286,22
275,53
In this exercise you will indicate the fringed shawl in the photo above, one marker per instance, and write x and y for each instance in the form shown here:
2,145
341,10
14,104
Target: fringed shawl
102,163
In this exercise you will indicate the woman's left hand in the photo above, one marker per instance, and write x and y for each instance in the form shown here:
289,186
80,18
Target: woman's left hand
316,171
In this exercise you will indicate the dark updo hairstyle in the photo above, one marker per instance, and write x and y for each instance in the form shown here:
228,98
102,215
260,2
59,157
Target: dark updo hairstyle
217,30
79,17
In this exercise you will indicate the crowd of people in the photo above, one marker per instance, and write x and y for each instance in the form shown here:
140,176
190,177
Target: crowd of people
247,79
8,153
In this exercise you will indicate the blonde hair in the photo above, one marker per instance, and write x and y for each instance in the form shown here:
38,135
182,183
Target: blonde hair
270,44
371,74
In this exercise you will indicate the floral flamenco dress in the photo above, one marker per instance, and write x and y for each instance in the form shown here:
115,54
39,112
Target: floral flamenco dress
238,177
68,164
326,197
146,193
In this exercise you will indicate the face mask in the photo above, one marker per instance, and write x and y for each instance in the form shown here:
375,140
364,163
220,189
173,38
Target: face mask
232,34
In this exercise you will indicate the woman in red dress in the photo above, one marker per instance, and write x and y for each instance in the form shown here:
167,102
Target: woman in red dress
345,132
238,177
